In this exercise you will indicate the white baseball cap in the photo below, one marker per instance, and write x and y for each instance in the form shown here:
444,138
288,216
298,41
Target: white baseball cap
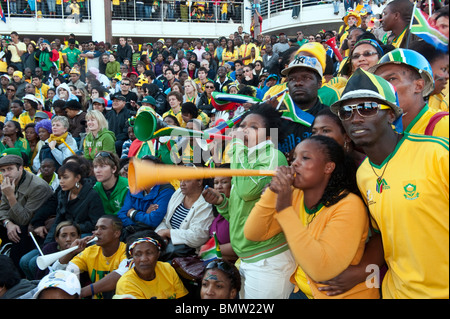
61,279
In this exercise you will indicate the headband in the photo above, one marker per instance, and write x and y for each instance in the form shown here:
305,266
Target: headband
144,240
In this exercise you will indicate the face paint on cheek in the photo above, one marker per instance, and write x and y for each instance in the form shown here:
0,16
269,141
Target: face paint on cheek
211,275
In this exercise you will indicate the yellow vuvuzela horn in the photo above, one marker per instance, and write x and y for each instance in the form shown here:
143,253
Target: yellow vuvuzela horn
143,174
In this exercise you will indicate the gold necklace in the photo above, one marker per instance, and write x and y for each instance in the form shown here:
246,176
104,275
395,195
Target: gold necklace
379,183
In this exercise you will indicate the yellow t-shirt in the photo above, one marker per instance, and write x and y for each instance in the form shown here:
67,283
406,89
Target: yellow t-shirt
420,123
166,285
411,214
15,57
438,102
25,119
93,261
245,50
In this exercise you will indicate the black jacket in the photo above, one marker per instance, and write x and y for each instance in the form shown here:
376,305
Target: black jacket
124,52
117,123
84,210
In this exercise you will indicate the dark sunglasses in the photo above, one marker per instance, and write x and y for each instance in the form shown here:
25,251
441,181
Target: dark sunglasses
364,109
366,54
209,87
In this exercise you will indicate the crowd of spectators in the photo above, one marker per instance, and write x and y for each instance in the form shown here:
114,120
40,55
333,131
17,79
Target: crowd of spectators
70,116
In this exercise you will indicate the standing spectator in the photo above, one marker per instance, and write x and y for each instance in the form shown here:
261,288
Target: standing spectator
117,118
29,58
17,49
124,50
282,45
416,260
71,54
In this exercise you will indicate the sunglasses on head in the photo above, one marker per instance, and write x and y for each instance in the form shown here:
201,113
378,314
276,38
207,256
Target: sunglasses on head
105,154
364,109
221,265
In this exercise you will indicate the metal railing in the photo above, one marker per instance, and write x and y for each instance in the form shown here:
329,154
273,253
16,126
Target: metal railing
213,11
269,7
45,9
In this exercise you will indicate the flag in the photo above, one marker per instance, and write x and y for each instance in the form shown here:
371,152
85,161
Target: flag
421,27
225,101
294,113
210,250
2,15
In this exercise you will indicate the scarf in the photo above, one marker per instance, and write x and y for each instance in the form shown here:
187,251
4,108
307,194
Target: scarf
60,140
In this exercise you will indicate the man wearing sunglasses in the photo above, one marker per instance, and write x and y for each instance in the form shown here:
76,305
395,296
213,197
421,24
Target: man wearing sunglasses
404,182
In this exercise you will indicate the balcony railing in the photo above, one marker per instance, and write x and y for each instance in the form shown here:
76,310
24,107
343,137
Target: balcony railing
213,11
269,7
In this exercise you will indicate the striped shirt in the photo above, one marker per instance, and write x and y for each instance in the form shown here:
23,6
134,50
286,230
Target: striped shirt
178,216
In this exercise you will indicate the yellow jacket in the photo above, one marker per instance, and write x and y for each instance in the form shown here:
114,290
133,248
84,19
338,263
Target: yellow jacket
324,248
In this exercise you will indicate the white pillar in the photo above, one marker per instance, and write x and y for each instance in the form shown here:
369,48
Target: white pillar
98,21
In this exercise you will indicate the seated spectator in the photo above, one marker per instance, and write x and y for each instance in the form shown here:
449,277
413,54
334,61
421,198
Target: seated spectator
12,285
59,284
99,138
111,187
126,145
30,105
105,261
64,93
149,278
60,144
48,173
190,111
22,194
77,119
43,129
204,102
221,280
220,226
146,209
13,138
187,222
77,201
65,234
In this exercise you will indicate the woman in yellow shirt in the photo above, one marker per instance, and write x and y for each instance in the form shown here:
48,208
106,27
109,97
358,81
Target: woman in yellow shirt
314,203
149,278
230,54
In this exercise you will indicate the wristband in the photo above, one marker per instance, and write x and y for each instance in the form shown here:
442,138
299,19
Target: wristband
5,223
92,289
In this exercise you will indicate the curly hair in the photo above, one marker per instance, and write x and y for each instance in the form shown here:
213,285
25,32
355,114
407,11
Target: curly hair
271,117
343,179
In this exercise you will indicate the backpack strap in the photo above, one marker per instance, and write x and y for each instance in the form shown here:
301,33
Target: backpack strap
433,121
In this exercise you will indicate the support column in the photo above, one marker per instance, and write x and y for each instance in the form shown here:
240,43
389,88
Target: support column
101,20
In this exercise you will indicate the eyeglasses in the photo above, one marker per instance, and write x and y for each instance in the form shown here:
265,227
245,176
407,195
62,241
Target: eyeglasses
366,54
239,74
365,109
12,90
248,70
209,87
104,154
125,83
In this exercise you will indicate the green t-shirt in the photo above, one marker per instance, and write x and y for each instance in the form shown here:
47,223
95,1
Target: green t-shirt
72,55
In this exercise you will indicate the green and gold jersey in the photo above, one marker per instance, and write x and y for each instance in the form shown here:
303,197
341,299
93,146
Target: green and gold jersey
410,208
